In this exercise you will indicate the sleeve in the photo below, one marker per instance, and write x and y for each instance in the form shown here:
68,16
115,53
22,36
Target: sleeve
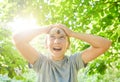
38,63
77,61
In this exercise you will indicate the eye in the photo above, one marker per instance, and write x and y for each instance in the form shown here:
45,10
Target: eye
52,37
62,37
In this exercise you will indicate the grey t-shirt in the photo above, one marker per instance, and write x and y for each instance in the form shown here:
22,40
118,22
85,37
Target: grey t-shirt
58,71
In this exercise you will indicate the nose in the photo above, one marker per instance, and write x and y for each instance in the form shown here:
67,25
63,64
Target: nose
57,41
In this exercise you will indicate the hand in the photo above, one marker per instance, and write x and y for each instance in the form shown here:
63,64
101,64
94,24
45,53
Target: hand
66,29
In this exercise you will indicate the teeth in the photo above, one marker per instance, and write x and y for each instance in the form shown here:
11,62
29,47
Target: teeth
57,47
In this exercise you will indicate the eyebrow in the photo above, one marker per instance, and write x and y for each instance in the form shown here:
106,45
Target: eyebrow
59,34
63,35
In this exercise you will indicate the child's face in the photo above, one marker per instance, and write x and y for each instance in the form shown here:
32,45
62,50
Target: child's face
57,42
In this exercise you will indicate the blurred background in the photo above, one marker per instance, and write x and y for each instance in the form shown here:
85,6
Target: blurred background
98,17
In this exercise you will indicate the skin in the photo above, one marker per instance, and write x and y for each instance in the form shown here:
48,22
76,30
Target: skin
21,39
58,39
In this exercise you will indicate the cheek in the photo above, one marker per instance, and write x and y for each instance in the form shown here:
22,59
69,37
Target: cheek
66,44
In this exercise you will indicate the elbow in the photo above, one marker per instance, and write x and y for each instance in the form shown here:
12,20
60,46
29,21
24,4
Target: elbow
14,36
107,45
16,39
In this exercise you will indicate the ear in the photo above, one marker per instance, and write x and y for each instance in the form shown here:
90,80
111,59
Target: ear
68,46
68,43
46,43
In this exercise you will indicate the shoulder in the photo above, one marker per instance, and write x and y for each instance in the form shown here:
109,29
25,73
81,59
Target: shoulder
41,58
76,58
76,55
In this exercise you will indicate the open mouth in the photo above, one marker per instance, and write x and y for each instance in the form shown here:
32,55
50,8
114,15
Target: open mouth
57,49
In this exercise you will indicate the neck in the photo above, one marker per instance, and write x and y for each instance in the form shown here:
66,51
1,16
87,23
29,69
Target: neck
57,58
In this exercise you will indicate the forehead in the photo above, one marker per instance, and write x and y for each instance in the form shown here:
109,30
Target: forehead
57,31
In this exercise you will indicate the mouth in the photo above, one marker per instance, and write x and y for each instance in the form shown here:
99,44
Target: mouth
57,49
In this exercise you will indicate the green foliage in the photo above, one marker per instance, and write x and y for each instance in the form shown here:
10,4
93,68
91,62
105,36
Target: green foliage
98,17
29,77
11,62
111,75
5,78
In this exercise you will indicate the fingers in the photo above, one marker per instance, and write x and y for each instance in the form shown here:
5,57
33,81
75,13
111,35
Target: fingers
66,29
61,26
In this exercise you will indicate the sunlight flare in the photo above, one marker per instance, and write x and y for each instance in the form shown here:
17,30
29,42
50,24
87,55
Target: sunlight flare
20,23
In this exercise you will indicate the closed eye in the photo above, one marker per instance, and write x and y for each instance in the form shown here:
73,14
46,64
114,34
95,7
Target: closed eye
62,37
52,36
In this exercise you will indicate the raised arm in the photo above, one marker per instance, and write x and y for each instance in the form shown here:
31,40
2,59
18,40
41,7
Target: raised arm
22,39
98,44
